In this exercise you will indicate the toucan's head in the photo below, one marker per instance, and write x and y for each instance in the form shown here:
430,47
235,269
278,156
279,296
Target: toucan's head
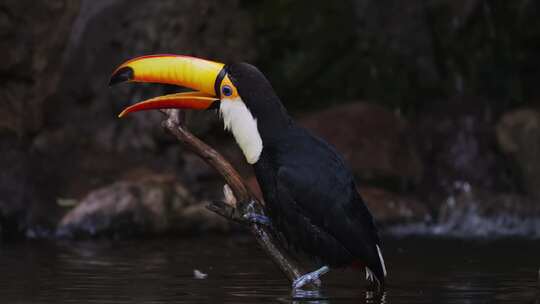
245,99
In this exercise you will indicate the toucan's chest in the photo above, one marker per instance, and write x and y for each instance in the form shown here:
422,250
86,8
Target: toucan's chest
266,172
301,167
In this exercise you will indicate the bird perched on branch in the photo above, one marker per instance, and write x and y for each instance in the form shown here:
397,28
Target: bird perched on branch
310,196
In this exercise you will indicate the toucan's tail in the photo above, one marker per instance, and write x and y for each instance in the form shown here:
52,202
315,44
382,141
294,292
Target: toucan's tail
378,271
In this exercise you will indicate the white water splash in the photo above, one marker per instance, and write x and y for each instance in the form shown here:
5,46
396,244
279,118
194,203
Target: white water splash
466,218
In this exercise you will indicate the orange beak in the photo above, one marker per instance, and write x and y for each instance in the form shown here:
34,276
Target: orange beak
201,75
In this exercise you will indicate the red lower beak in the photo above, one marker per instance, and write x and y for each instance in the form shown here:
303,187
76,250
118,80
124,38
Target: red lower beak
188,100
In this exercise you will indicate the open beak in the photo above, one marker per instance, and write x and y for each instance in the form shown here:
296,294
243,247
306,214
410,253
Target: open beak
201,75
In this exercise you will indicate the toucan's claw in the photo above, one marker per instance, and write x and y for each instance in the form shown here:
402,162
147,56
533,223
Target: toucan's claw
257,219
312,277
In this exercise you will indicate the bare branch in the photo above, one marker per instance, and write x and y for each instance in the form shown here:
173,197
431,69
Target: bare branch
240,201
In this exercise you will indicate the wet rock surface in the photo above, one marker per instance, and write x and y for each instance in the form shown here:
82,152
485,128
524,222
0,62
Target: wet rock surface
34,37
59,136
376,143
150,206
60,139
518,134
124,29
390,209
480,213
458,145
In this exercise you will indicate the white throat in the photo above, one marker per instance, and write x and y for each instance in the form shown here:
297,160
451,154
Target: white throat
238,119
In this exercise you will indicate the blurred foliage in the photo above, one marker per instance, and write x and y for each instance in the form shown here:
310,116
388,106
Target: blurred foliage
403,54
494,49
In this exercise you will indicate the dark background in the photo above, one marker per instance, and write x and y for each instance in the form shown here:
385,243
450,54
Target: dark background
434,103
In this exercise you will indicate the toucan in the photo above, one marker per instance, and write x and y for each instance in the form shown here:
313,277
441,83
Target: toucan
309,192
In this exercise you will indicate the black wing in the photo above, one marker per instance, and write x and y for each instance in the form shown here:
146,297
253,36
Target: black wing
315,178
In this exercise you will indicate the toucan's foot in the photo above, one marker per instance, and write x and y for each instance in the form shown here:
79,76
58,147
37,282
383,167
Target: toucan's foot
312,277
257,219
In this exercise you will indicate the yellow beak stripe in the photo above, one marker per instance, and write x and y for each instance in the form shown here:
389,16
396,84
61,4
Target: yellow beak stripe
190,72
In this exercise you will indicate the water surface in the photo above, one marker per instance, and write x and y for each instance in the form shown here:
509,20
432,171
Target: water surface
161,271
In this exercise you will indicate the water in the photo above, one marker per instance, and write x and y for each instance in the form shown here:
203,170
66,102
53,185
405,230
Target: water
161,271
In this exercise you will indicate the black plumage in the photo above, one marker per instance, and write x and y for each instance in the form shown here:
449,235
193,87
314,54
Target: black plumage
309,191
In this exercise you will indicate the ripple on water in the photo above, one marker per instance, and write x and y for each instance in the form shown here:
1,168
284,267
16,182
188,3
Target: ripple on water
157,271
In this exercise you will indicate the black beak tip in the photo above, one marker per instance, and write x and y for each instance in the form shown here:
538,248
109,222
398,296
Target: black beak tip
122,75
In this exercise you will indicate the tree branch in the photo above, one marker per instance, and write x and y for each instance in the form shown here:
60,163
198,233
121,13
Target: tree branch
240,201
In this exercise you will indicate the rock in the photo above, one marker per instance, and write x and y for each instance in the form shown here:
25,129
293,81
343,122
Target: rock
392,209
27,186
34,36
33,42
375,142
154,205
518,135
59,136
106,35
458,146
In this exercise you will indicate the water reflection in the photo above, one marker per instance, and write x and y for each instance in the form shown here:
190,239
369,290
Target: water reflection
308,296
373,297
318,297
422,271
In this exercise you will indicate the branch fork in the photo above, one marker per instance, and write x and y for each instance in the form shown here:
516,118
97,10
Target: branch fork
239,200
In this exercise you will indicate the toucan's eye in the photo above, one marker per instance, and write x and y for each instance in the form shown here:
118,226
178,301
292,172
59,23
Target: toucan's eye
226,90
